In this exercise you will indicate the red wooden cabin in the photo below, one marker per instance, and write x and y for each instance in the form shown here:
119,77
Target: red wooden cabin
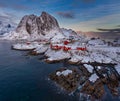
66,48
82,49
66,42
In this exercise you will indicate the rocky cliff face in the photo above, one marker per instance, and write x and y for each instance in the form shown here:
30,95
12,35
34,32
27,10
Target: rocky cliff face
32,24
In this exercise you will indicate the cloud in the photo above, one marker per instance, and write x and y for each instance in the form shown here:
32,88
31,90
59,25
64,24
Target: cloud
104,33
69,15
110,33
116,30
108,21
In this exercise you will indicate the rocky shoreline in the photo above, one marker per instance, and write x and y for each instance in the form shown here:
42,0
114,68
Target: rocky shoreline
95,58
90,76
82,81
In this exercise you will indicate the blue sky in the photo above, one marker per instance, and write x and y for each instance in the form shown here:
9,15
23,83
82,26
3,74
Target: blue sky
83,15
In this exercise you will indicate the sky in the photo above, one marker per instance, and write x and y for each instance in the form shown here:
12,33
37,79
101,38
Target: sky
79,15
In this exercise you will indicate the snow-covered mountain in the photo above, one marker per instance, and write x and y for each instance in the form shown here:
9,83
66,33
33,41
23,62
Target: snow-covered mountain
34,27
45,26
6,27
37,25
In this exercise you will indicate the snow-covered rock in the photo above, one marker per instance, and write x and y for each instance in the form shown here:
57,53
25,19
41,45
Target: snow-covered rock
12,35
117,67
105,54
89,68
65,72
41,49
32,27
56,55
57,38
24,46
72,35
93,78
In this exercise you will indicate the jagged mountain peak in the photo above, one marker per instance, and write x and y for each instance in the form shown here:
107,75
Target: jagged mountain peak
32,24
44,13
6,27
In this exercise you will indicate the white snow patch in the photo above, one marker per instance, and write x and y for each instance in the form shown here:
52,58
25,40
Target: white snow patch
57,55
89,68
24,46
117,67
65,72
41,49
93,78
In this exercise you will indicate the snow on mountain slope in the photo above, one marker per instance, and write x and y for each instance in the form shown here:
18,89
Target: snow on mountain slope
57,38
33,27
45,26
6,27
96,42
70,34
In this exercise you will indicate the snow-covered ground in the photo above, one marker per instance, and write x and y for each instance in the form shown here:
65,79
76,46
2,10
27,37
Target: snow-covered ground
26,46
41,49
56,55
100,54
96,42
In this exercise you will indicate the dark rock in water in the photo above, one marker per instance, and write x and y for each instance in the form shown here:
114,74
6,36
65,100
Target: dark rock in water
79,81
33,24
69,82
113,83
96,90
33,53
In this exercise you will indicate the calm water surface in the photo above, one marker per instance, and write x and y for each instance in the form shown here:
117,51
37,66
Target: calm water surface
25,78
